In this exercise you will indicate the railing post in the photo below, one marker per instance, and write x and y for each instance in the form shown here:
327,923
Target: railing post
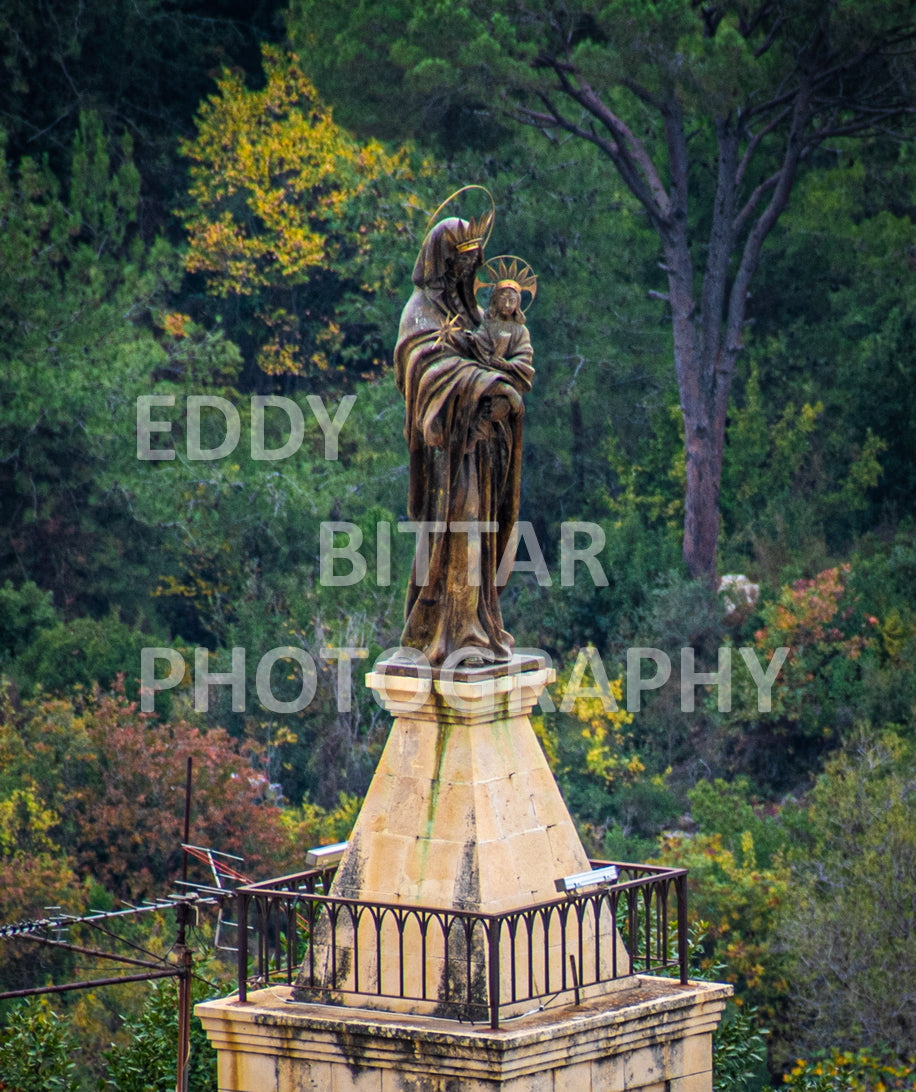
242,918
493,931
292,941
683,953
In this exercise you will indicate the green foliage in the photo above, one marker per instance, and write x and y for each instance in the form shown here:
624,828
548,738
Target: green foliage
841,333
818,692
777,501
392,98
677,613
863,1070
739,1048
73,269
146,1059
734,888
882,578
78,288
84,652
733,810
36,1049
850,923
24,611
143,68
739,1051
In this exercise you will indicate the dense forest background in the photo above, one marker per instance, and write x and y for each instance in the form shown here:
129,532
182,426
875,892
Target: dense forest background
221,203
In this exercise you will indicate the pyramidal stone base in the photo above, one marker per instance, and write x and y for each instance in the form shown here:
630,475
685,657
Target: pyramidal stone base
463,811
464,814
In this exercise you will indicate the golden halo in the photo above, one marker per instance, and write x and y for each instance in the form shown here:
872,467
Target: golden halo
507,267
480,229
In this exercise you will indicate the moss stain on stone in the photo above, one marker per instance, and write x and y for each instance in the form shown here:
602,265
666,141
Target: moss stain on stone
442,733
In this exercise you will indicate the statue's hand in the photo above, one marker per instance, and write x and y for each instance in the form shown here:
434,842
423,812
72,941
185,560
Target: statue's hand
507,399
500,407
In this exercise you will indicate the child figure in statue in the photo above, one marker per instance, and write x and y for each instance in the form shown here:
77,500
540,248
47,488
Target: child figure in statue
502,342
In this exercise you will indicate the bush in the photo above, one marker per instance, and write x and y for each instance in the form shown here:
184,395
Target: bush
147,1061
851,1071
851,921
35,1050
85,652
737,888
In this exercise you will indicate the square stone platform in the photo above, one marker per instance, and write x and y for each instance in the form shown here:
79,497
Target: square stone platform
654,1036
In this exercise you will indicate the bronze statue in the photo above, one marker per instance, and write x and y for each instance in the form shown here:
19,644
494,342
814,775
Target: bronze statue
462,375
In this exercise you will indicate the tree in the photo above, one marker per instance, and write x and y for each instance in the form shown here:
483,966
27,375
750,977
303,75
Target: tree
289,212
841,336
145,1055
708,111
142,68
738,883
83,331
35,873
76,288
111,796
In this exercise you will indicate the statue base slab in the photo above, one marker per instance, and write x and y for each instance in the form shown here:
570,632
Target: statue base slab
655,1036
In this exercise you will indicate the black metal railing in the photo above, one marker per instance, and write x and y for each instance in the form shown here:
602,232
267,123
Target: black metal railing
460,964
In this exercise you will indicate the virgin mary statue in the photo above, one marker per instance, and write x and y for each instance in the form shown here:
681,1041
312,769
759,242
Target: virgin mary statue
464,435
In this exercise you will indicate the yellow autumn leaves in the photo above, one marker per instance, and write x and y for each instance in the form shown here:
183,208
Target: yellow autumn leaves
280,194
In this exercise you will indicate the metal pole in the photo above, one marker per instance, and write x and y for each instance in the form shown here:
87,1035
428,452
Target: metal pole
68,986
185,958
184,1020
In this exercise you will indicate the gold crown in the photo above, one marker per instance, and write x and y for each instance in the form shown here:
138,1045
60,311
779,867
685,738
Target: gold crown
470,234
507,271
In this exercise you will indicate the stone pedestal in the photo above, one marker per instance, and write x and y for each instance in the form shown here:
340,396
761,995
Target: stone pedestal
654,1036
463,813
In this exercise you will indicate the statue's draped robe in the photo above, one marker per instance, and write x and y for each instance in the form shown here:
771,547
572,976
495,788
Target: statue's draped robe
464,468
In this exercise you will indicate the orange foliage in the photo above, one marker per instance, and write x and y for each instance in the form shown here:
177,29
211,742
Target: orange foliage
115,777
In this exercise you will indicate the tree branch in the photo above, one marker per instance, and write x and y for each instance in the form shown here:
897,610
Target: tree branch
721,240
860,125
641,93
750,205
747,26
770,38
782,183
626,151
755,140
555,119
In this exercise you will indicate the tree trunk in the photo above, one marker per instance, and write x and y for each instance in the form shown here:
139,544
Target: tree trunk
703,363
703,443
703,388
